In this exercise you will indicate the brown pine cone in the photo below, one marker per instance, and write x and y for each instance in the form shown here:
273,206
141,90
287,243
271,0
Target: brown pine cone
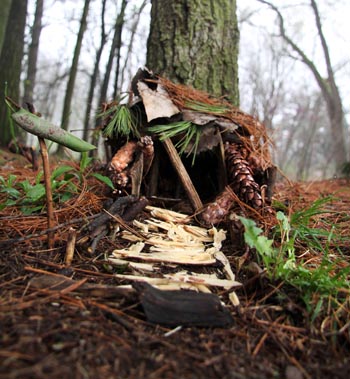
242,183
240,175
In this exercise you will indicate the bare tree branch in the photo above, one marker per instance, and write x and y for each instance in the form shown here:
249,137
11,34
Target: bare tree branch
327,85
295,47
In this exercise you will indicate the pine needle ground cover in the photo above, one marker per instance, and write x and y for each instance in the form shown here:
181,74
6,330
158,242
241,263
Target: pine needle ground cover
292,319
271,270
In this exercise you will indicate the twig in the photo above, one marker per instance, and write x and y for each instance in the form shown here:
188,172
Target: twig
125,225
259,345
49,201
72,236
183,174
47,179
117,315
57,227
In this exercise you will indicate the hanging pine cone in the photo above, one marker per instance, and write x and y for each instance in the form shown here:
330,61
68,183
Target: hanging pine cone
240,175
242,183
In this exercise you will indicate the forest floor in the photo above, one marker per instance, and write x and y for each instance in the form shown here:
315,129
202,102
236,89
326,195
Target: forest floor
71,333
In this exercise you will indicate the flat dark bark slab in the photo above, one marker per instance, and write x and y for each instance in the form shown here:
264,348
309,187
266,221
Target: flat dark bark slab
187,308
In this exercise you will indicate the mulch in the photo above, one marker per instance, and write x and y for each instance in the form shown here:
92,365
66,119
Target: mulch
48,333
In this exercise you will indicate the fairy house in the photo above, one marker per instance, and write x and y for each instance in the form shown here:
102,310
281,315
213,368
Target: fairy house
175,144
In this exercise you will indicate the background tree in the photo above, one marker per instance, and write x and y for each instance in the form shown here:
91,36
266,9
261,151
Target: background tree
11,64
326,84
196,43
113,52
93,78
134,27
74,68
4,12
33,51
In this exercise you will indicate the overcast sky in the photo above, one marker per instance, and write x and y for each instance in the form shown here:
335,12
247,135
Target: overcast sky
58,36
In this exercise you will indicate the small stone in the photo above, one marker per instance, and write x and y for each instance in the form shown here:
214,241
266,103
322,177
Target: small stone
292,372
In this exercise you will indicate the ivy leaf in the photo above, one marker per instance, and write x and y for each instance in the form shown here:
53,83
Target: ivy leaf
36,192
253,237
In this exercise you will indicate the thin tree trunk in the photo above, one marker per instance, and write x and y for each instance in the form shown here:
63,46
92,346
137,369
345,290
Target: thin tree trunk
73,72
327,85
131,41
4,13
11,65
95,73
116,43
33,53
196,43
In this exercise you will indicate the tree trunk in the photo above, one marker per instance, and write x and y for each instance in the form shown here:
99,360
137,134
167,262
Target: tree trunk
73,72
134,26
95,73
4,13
116,44
196,43
33,53
11,64
337,123
327,85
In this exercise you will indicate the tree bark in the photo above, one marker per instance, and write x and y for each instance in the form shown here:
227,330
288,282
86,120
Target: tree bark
73,71
33,53
11,64
4,13
196,43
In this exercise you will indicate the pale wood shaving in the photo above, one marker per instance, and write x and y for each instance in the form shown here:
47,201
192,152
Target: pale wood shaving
168,215
170,239
234,299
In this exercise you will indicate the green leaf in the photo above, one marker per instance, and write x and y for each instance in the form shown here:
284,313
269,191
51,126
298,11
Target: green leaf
28,210
39,176
284,219
253,238
104,179
25,185
12,192
36,192
44,129
60,170
85,161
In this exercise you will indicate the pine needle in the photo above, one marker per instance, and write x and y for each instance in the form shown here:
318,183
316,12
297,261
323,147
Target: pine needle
216,109
123,122
191,134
